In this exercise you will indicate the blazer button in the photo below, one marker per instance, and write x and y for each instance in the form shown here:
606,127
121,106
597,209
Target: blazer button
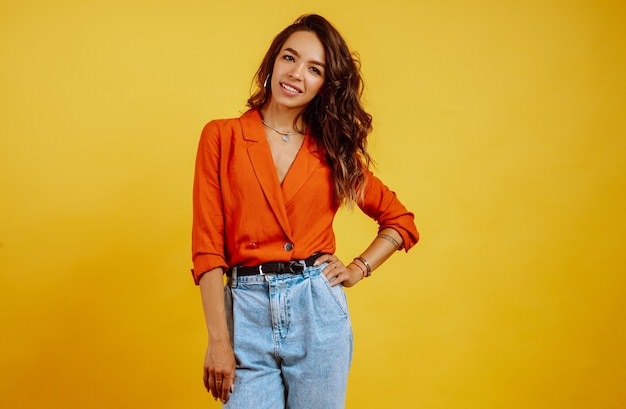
288,246
252,245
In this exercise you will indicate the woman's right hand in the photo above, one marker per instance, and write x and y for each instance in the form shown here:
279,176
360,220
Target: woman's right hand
219,369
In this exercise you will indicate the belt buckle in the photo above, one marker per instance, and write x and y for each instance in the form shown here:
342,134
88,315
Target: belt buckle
261,270
299,267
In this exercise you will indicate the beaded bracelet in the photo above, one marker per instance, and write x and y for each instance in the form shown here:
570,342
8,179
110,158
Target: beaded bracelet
366,264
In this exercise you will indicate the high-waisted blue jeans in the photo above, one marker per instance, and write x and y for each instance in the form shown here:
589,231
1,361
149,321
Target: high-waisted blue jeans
293,341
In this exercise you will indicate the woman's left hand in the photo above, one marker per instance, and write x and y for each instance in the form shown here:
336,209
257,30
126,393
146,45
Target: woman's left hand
336,272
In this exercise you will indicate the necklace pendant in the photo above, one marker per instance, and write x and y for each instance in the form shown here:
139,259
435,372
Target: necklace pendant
286,138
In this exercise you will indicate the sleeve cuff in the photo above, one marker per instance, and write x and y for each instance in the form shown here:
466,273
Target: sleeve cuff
204,262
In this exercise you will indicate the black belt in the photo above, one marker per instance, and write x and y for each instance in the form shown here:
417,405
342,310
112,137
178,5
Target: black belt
277,267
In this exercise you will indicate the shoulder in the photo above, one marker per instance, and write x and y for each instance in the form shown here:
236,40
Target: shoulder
220,129
230,126
217,125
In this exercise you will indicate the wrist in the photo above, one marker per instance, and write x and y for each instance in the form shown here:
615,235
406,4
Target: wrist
366,267
358,269
218,332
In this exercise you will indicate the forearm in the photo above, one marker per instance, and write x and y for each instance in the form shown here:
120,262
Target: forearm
212,293
382,247
219,362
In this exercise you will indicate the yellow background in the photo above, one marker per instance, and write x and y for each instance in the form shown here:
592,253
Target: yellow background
500,124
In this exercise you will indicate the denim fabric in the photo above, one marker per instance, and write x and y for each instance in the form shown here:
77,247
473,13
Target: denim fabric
292,341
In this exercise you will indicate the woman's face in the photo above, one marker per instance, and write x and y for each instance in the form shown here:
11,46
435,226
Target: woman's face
298,73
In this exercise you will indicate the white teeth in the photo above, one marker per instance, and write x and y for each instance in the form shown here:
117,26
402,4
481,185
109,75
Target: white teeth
288,88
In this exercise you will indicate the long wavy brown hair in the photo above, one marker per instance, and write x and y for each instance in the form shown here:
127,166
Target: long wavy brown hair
335,117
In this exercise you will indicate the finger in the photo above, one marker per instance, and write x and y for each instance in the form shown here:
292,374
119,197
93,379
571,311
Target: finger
324,258
353,275
218,388
337,278
330,270
226,388
333,268
344,276
338,275
213,385
205,379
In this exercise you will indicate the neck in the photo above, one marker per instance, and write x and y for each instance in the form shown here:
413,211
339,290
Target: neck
281,118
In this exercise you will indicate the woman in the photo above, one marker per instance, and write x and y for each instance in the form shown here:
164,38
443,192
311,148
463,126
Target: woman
267,187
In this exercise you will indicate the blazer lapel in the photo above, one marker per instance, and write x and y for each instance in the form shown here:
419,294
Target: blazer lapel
263,165
301,170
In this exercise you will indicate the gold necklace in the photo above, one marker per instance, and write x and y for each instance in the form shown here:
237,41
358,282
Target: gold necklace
285,135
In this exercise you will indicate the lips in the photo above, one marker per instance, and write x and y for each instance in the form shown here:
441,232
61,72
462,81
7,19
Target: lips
290,88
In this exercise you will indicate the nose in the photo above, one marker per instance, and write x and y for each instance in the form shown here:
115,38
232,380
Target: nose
296,71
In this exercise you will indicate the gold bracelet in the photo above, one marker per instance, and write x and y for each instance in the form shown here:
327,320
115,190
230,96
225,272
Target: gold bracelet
366,264
390,239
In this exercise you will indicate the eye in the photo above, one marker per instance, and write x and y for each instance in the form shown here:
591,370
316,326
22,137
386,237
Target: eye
316,70
289,57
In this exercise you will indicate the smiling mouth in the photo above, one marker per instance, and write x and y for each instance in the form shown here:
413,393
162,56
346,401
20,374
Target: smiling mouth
290,88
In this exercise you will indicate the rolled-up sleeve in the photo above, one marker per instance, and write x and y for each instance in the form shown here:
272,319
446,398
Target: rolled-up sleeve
382,205
207,240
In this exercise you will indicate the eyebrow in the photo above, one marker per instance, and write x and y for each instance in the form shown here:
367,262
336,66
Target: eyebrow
294,52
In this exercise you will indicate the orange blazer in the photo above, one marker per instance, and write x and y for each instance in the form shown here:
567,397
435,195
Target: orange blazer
242,215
